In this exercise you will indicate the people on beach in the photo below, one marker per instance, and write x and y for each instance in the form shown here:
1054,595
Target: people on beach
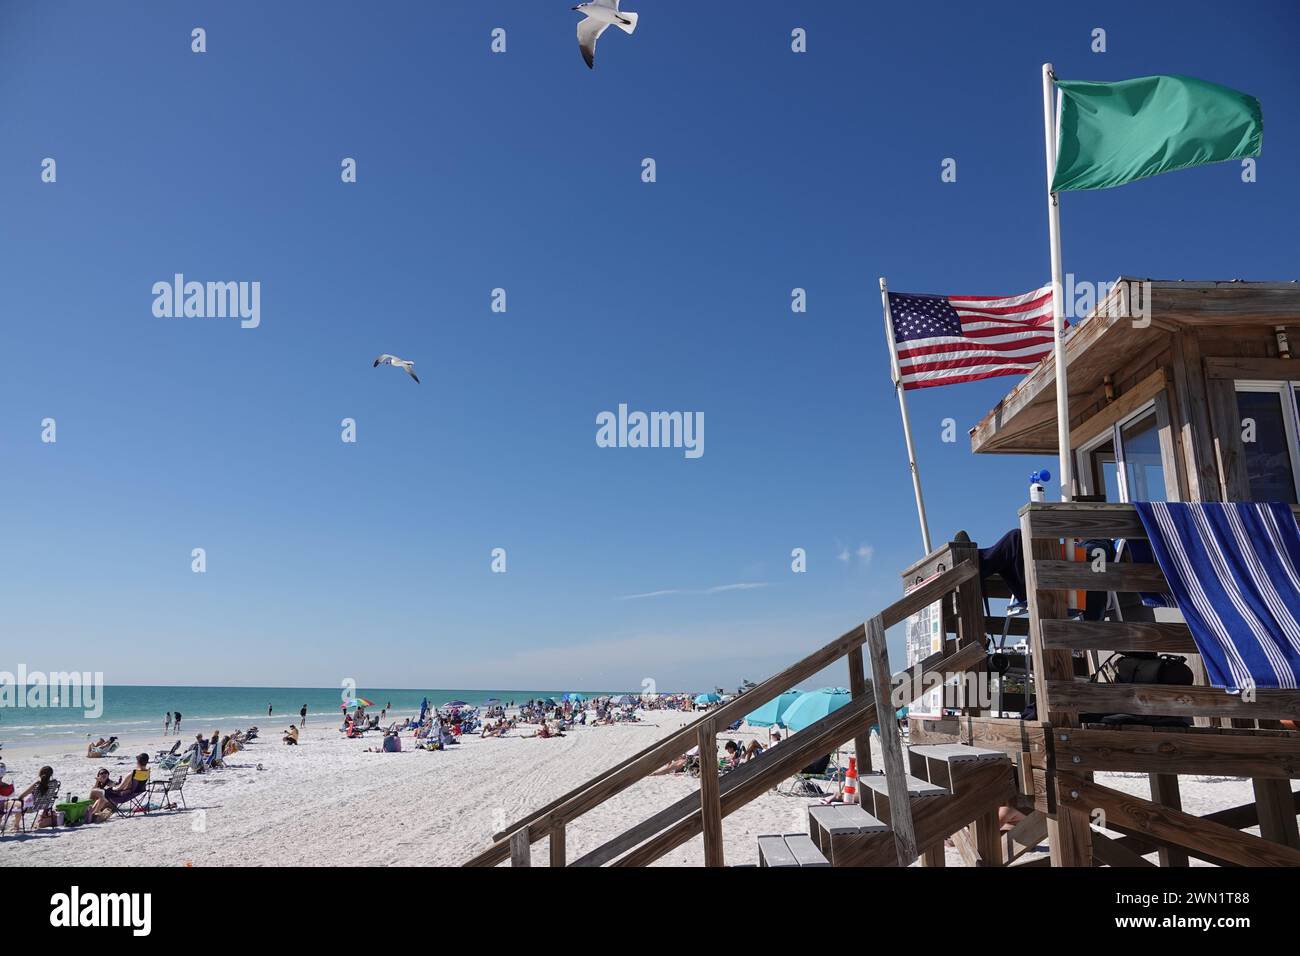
102,747
108,798
27,798
167,722
176,721
303,714
291,736
269,708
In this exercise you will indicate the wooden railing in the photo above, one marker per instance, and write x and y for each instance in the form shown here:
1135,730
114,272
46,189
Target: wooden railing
703,813
1062,697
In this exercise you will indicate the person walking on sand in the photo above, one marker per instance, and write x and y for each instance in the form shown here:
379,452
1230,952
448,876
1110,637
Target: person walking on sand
176,721
303,714
167,722
268,711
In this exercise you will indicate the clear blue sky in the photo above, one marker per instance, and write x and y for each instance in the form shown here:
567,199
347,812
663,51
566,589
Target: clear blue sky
522,171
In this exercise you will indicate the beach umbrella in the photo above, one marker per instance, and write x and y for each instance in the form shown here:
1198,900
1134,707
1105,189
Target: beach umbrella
773,712
358,702
707,698
814,705
455,703
424,709
627,700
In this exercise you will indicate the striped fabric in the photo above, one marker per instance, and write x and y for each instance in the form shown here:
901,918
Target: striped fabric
1234,570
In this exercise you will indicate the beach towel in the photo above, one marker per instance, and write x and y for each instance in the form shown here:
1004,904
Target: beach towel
1234,571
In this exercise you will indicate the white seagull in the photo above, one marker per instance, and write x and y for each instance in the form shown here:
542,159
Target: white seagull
600,14
405,364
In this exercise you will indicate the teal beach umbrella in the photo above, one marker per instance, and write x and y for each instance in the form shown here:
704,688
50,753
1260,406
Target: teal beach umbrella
773,712
815,705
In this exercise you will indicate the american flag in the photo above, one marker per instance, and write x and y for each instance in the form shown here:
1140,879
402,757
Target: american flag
942,339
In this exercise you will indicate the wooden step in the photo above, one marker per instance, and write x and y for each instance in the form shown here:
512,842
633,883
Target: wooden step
873,786
789,849
948,765
848,835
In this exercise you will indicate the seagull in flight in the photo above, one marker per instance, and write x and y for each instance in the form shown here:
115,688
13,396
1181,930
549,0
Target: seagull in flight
600,14
405,364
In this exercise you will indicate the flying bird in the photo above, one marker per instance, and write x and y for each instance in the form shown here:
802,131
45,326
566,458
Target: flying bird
405,364
600,14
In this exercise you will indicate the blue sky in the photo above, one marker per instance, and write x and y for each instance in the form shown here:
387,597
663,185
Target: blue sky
522,171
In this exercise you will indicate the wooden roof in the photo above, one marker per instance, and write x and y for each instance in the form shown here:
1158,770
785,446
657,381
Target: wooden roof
1024,422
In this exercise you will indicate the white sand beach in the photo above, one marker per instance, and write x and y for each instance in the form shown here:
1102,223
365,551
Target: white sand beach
328,802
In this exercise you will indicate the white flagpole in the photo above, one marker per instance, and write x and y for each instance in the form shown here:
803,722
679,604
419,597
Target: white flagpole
907,422
1058,291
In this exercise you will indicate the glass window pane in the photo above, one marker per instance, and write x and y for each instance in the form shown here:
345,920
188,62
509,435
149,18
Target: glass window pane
1264,441
1104,479
1144,470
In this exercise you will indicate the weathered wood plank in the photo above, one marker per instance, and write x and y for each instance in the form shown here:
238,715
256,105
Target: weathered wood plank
557,844
1117,576
1067,830
1085,519
1174,826
1172,701
1277,818
710,798
521,848
858,688
1113,853
900,807
1142,636
1156,751
1164,791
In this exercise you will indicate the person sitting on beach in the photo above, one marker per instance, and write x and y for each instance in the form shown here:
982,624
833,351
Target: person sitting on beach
28,797
736,755
101,747
545,731
291,735
128,786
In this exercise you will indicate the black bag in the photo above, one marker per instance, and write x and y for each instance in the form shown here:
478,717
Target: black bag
1146,668
1152,669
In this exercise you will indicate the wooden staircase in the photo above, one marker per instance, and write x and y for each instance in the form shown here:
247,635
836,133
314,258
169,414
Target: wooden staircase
951,787
647,840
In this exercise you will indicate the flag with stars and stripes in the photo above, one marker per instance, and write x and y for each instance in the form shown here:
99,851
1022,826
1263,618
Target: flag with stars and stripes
944,339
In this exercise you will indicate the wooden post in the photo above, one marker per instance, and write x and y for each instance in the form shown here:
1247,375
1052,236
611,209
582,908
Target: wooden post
1164,791
1068,829
900,806
1277,817
987,833
557,843
970,612
521,848
710,797
858,688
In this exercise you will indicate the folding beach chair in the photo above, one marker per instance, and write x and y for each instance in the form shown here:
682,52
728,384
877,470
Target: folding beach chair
40,804
137,801
164,754
169,789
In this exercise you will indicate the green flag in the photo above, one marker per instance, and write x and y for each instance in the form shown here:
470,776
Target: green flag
1115,133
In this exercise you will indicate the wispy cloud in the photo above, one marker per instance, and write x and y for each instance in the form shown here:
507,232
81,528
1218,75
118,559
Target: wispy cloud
863,552
741,586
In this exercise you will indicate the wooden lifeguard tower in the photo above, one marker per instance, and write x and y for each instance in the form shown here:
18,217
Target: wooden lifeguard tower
1193,399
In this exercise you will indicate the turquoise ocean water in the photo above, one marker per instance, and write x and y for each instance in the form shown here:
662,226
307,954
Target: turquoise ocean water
140,710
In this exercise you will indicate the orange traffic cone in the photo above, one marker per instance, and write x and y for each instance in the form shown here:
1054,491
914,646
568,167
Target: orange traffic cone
851,781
